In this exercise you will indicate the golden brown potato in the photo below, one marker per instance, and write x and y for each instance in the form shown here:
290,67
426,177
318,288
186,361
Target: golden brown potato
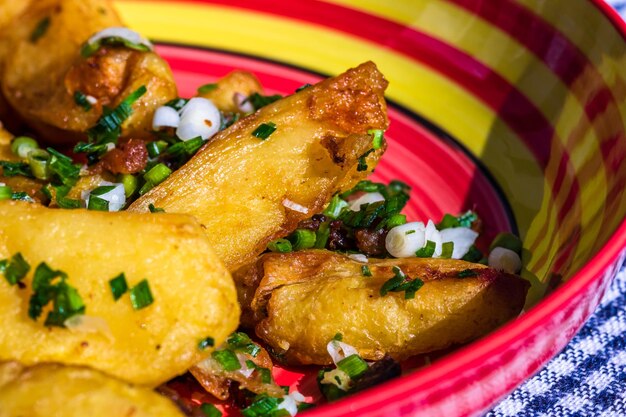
223,96
247,191
39,77
298,301
194,296
58,391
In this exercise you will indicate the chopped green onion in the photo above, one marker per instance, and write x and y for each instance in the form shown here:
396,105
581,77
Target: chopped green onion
447,248
302,239
400,282
12,169
63,167
156,148
109,126
473,254
227,359
263,406
157,174
206,88
322,235
466,273
379,140
338,337
97,204
65,298
464,220
257,100
209,410
39,162
395,220
266,375
14,269
22,196
177,103
103,189
427,251
240,341
353,365
119,286
362,163
40,29
62,201
205,343
264,130
129,182
89,49
81,100
448,221
140,295
155,209
22,145
335,206
507,241
280,245
5,192
365,271
409,232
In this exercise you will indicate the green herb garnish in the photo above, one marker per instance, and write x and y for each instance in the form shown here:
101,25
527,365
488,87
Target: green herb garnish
89,49
400,282
81,100
227,359
155,209
378,140
365,271
206,88
66,302
466,273
140,295
14,269
280,246
40,29
447,248
257,100
427,251
119,286
205,343
264,130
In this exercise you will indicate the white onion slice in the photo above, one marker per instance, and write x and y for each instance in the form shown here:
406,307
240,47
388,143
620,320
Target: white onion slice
199,117
290,403
505,260
340,350
116,197
462,237
295,206
404,240
242,104
88,324
359,257
121,32
431,233
165,116
368,198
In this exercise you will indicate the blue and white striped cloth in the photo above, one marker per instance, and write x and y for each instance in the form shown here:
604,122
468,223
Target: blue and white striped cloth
588,379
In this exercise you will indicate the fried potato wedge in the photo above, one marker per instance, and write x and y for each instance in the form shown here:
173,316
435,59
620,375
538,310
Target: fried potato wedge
41,68
194,296
247,191
298,301
226,89
53,391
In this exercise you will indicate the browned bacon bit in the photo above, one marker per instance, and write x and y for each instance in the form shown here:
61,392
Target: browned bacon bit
313,223
128,158
371,242
338,237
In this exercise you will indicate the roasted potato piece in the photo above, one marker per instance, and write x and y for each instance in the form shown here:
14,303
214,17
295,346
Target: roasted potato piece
236,82
58,391
194,296
298,301
247,191
40,74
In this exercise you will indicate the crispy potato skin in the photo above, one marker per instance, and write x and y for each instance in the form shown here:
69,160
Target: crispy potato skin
223,96
194,296
38,79
58,391
237,183
297,302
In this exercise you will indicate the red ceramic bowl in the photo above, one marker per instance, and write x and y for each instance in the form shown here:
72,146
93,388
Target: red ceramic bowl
513,108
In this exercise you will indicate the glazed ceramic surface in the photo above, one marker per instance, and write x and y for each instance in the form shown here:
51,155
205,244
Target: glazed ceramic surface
513,108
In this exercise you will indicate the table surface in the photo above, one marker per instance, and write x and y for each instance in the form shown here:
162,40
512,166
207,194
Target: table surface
589,377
